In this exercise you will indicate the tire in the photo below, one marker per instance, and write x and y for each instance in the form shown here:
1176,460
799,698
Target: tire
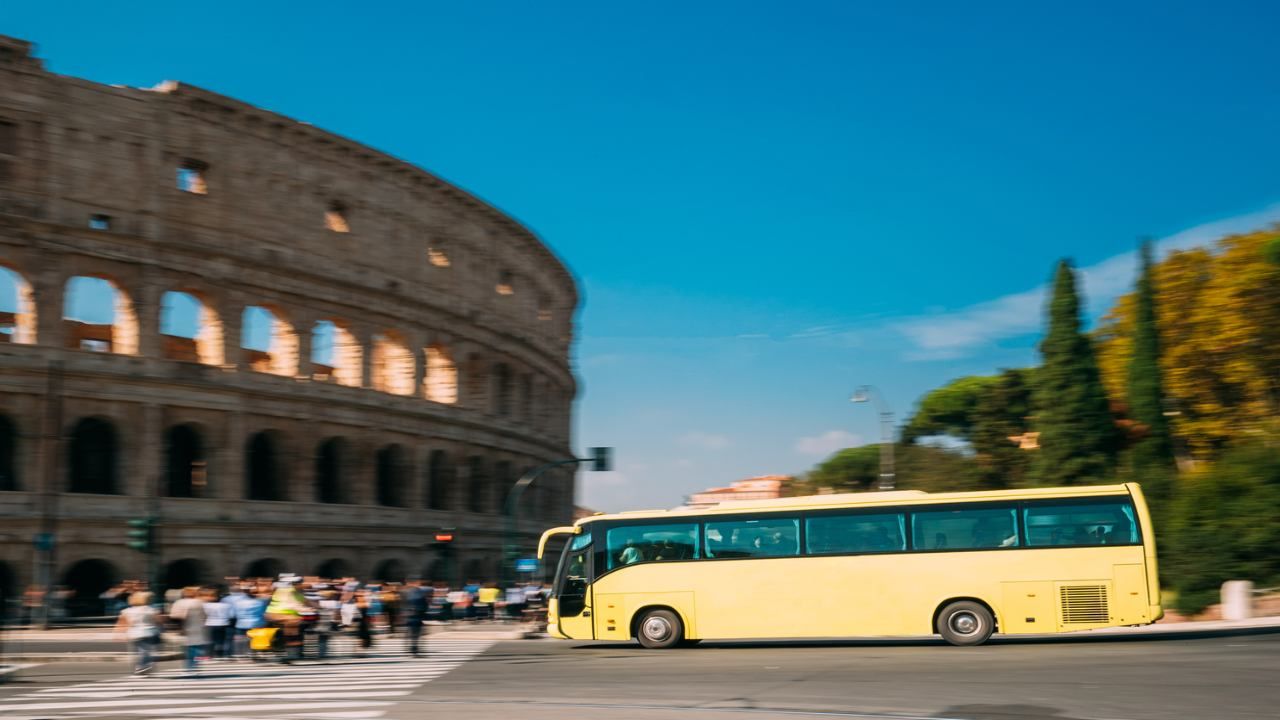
659,629
965,623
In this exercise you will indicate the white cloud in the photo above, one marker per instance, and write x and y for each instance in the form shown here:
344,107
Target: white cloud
704,440
955,334
827,443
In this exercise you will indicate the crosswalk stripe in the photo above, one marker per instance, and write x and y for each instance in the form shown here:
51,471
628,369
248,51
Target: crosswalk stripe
338,688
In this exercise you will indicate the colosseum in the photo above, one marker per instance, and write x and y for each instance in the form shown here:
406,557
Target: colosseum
297,352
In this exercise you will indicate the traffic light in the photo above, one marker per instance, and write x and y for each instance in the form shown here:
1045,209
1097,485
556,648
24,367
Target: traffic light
444,536
142,534
602,459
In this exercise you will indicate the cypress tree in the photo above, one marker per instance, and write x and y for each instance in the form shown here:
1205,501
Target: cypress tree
1151,458
1078,437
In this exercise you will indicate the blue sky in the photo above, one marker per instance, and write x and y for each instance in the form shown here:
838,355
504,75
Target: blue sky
766,204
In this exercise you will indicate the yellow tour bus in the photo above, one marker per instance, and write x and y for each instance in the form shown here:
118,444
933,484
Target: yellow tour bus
906,563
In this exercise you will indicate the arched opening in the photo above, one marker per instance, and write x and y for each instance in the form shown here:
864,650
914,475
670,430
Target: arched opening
185,468
185,573
439,478
98,316
8,454
441,381
269,342
92,457
391,570
334,569
190,329
502,481
8,592
330,456
265,466
437,571
502,389
392,364
476,383
336,354
476,571
477,484
87,580
17,308
391,471
263,568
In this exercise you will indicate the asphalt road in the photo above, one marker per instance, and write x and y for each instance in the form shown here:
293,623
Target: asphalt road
1226,676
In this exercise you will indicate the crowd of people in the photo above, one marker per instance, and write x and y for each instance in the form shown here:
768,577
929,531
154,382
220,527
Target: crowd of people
218,623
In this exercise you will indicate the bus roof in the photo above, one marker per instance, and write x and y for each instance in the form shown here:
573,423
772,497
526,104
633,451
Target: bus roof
862,499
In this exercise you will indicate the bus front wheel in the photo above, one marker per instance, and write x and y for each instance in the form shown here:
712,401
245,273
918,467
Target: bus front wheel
659,629
965,623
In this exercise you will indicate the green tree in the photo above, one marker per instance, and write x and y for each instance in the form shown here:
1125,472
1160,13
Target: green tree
1002,412
948,410
848,470
1223,527
1151,456
1078,437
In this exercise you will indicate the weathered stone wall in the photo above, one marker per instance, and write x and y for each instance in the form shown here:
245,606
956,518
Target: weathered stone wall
413,263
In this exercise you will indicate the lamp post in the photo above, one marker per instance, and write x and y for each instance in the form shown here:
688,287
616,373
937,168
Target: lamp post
866,393
601,460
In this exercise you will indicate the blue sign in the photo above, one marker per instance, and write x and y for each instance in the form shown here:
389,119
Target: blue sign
526,565
44,541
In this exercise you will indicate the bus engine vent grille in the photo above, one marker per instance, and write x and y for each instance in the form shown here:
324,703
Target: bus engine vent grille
1084,604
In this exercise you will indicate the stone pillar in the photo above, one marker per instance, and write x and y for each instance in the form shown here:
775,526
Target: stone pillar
231,310
147,451
227,477
50,290
1237,600
303,327
147,300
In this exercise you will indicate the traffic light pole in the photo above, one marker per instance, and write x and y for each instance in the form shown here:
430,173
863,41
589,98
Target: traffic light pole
601,460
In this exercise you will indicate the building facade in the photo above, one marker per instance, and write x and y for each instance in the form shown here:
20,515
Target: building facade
762,487
316,355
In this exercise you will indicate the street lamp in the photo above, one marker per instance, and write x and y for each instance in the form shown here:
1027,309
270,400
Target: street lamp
866,393
601,460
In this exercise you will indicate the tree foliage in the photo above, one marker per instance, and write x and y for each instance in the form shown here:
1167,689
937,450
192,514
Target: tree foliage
1218,316
1002,413
1078,437
948,410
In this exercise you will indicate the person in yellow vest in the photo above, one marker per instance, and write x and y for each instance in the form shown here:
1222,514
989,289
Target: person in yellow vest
285,609
487,601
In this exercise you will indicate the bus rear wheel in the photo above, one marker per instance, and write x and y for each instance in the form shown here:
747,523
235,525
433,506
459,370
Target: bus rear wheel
965,623
659,629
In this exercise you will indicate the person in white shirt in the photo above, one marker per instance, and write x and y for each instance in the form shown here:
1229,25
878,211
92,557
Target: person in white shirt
140,624
217,617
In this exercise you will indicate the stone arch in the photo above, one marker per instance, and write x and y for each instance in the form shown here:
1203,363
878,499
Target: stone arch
89,326
334,569
269,341
87,579
266,469
185,465
336,353
391,472
331,458
17,307
440,476
392,370
390,570
93,456
502,389
185,573
475,382
190,328
476,571
477,484
267,567
440,383
8,454
503,479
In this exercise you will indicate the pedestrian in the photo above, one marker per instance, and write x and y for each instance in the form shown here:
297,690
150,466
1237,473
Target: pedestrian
140,624
189,612
327,620
417,600
286,609
32,599
515,603
249,611
359,614
218,617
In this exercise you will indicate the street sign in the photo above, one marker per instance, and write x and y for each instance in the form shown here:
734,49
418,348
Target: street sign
43,541
526,565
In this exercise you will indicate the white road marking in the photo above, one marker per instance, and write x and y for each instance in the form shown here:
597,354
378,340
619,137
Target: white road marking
339,688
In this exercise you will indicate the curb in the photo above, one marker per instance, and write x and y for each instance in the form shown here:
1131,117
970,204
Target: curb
82,657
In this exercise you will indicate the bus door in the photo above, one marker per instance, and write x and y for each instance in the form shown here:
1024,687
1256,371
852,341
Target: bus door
572,590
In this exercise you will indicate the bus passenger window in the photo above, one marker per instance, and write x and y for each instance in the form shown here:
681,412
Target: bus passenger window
1073,523
981,527
634,544
856,533
753,538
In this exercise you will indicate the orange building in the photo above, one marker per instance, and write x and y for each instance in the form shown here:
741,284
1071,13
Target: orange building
763,487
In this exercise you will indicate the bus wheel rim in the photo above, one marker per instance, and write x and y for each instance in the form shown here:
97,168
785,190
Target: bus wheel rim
656,628
965,623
